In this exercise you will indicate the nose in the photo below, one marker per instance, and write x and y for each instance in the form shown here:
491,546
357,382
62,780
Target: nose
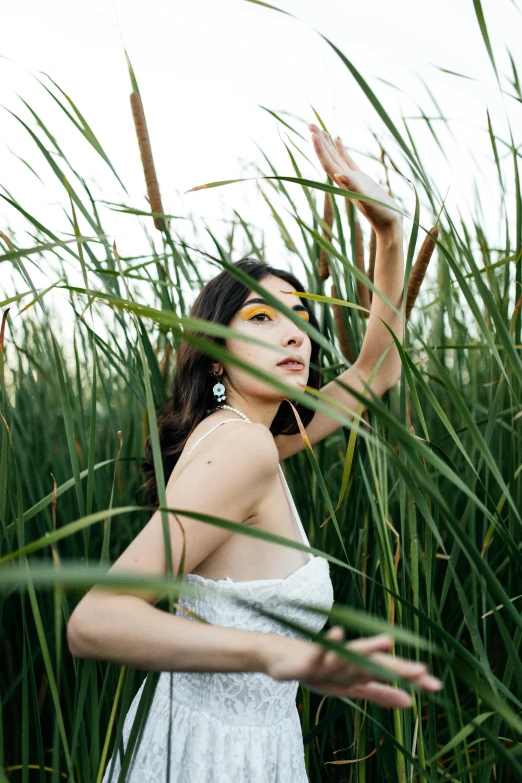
292,335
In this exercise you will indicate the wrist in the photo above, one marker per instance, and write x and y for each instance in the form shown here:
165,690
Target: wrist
260,651
266,650
393,232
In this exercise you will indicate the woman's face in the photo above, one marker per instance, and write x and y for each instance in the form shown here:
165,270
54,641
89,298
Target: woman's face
259,319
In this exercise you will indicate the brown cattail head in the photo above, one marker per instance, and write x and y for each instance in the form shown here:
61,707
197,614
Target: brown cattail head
328,216
363,292
344,340
371,261
147,160
420,267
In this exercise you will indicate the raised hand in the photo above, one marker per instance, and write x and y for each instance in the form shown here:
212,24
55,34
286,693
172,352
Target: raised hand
325,672
343,170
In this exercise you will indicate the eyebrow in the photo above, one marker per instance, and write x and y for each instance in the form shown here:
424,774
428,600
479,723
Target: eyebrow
258,300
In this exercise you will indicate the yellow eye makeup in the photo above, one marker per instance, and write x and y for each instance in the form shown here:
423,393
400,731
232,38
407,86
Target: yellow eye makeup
260,313
257,313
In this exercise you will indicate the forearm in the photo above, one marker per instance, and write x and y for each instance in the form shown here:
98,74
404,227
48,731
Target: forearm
130,631
388,279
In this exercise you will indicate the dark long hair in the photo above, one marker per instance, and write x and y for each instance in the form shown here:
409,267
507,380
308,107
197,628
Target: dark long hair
192,385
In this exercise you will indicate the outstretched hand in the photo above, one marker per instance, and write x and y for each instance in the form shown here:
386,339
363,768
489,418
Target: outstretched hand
343,170
331,672
327,673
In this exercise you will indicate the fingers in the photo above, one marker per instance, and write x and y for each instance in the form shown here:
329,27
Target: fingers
384,695
325,137
332,152
337,632
333,667
334,165
331,166
330,146
328,657
375,647
371,644
335,152
343,153
428,683
407,669
417,673
326,151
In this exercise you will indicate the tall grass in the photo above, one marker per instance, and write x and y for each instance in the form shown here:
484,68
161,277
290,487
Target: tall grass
417,508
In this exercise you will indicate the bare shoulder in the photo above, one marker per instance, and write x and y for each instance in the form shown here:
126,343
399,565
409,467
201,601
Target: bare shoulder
246,446
241,452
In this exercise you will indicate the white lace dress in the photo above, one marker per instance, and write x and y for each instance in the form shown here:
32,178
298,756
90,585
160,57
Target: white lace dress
226,727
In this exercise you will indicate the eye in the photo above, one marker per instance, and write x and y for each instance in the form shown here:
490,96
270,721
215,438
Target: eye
257,313
261,314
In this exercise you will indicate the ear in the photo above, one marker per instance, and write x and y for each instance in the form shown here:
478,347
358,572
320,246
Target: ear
217,368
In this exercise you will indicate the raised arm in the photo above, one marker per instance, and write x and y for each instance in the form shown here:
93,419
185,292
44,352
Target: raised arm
388,279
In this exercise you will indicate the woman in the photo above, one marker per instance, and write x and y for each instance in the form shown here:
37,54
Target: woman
224,707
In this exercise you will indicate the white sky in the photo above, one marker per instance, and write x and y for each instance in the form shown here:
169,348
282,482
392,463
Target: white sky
204,68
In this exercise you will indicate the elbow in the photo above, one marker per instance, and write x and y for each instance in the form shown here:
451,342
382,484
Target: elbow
81,639
382,382
389,383
74,639
99,627
386,386
387,379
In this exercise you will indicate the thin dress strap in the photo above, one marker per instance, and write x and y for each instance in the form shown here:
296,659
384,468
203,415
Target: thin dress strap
212,430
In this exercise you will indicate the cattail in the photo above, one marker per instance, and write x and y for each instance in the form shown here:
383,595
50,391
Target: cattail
324,270
363,293
371,261
147,160
420,267
344,340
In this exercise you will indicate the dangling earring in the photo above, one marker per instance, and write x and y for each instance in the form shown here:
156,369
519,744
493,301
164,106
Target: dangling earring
218,389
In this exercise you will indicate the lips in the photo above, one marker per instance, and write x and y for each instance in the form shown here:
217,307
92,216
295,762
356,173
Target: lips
292,363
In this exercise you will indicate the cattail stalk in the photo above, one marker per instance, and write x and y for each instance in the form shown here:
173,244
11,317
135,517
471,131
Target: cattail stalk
328,216
363,293
419,268
344,340
153,191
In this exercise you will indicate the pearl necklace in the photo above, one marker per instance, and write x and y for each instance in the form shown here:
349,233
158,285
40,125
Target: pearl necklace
234,410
